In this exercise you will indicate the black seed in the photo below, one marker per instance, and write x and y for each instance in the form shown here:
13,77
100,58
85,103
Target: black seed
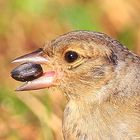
27,72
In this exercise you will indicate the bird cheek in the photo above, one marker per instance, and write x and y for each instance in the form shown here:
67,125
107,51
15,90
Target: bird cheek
98,72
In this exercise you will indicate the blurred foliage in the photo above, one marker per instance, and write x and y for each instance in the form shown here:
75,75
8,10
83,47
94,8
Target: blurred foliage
27,25
79,18
10,101
29,6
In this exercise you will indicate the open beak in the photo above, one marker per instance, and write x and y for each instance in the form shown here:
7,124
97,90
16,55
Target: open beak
48,79
35,57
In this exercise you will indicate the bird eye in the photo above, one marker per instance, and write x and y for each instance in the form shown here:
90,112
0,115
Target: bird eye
71,56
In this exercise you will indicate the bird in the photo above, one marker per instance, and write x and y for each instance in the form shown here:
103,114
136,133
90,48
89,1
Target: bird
100,78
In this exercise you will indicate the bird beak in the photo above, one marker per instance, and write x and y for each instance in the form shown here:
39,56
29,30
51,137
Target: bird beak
48,79
35,57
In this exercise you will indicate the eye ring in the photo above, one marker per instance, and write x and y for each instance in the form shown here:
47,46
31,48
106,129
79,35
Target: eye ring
71,56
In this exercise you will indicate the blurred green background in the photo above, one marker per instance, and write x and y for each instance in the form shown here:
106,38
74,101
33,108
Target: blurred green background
28,24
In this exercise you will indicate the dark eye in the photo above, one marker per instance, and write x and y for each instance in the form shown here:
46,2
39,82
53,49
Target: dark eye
71,56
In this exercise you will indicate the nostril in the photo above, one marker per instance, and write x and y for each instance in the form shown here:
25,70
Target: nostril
27,72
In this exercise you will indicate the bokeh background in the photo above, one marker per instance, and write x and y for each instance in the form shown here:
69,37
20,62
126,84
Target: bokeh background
26,25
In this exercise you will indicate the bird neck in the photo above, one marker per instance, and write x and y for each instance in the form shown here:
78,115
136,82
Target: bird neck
96,121
94,115
83,120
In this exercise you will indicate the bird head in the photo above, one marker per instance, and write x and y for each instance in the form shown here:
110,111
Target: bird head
78,63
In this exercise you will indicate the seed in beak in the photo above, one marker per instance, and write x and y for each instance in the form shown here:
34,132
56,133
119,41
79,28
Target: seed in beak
27,72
